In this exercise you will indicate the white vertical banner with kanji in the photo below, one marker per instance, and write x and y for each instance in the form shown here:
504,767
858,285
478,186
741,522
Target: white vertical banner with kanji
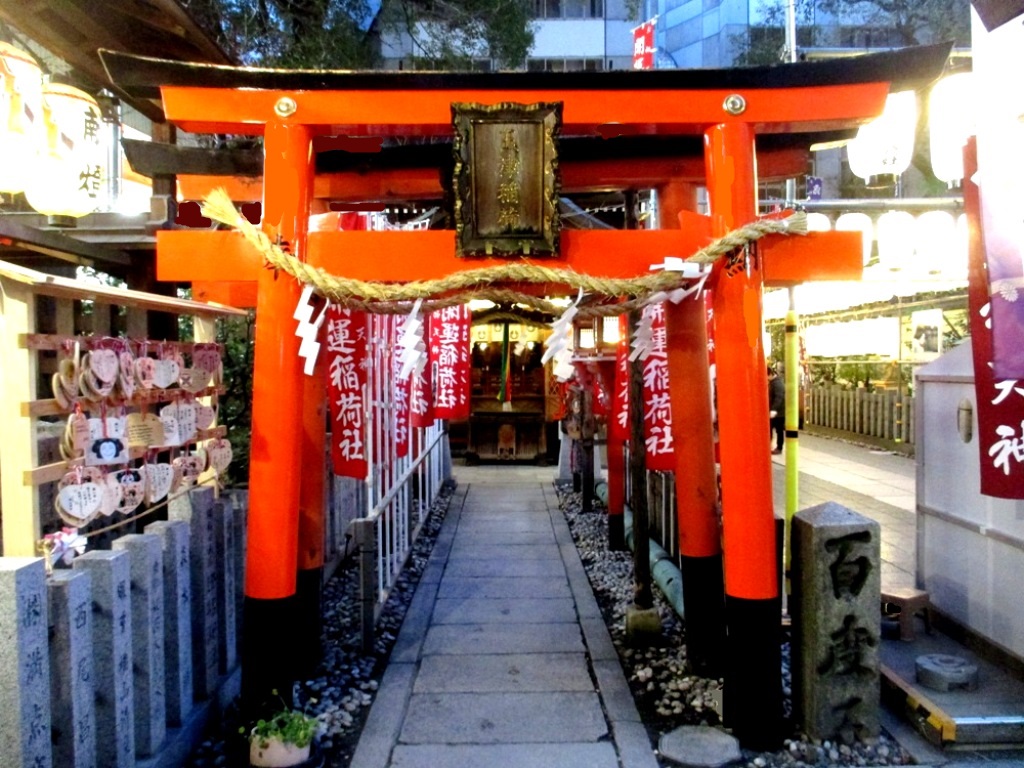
657,404
346,388
421,398
402,387
618,423
449,350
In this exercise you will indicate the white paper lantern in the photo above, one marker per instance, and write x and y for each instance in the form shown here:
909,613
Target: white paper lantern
896,230
886,144
21,117
818,222
936,242
858,222
69,180
951,111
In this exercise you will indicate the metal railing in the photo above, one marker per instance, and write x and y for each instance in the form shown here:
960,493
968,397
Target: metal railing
399,489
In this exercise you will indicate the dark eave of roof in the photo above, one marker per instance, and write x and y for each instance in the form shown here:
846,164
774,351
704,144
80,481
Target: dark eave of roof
75,30
904,68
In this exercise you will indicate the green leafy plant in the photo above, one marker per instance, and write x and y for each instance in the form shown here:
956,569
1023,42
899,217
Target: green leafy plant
291,726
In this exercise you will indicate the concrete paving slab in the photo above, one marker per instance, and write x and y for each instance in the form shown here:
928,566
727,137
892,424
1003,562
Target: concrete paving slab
498,718
507,566
527,672
510,610
499,551
385,719
456,586
467,538
601,755
409,643
634,745
502,638
599,642
497,526
615,693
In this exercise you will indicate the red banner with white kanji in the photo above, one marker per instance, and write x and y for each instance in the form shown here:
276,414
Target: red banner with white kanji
449,350
657,405
421,398
1000,400
643,45
346,388
618,423
401,415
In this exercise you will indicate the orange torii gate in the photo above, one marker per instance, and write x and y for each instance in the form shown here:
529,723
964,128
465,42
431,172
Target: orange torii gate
728,110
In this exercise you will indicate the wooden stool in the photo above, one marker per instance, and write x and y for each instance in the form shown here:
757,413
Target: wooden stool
908,602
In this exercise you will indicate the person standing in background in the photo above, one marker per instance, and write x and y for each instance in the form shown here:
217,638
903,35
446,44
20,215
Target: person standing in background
776,409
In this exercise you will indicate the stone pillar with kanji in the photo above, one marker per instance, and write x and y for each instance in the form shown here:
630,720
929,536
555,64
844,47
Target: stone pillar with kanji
836,622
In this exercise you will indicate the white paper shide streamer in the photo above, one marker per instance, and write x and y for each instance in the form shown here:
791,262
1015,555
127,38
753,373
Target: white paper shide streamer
558,343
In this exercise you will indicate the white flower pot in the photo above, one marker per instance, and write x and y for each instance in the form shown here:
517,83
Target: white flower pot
276,753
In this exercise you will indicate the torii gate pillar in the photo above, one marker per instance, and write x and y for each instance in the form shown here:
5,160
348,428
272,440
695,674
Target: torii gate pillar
753,677
275,465
696,486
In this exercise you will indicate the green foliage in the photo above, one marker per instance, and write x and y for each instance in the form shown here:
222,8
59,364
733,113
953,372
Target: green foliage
238,337
915,22
462,31
344,34
900,22
290,726
325,34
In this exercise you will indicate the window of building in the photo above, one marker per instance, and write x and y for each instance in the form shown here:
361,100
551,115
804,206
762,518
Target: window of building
869,37
565,65
568,9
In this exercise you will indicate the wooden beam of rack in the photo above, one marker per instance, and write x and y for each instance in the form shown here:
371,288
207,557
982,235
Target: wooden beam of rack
54,342
50,473
62,287
50,407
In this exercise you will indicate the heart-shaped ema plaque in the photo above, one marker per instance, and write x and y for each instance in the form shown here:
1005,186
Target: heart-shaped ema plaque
104,365
219,454
133,489
194,379
205,414
126,375
159,479
144,369
206,357
188,469
165,373
111,495
78,503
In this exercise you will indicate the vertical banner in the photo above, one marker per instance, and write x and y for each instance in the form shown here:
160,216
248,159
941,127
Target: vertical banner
402,387
346,388
618,423
421,398
449,349
997,52
643,45
1000,400
657,404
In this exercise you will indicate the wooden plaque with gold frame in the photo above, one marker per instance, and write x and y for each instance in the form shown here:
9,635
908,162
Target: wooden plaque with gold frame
506,179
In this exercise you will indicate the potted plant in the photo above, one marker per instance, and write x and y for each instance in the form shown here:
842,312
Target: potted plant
283,740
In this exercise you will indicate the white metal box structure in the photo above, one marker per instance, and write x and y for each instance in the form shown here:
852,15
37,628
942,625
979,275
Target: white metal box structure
970,547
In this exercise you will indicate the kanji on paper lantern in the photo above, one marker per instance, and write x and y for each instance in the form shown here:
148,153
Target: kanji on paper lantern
70,171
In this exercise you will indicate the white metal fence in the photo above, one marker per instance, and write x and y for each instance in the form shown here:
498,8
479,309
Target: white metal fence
400,489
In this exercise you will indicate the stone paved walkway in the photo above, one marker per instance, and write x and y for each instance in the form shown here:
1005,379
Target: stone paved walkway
503,659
